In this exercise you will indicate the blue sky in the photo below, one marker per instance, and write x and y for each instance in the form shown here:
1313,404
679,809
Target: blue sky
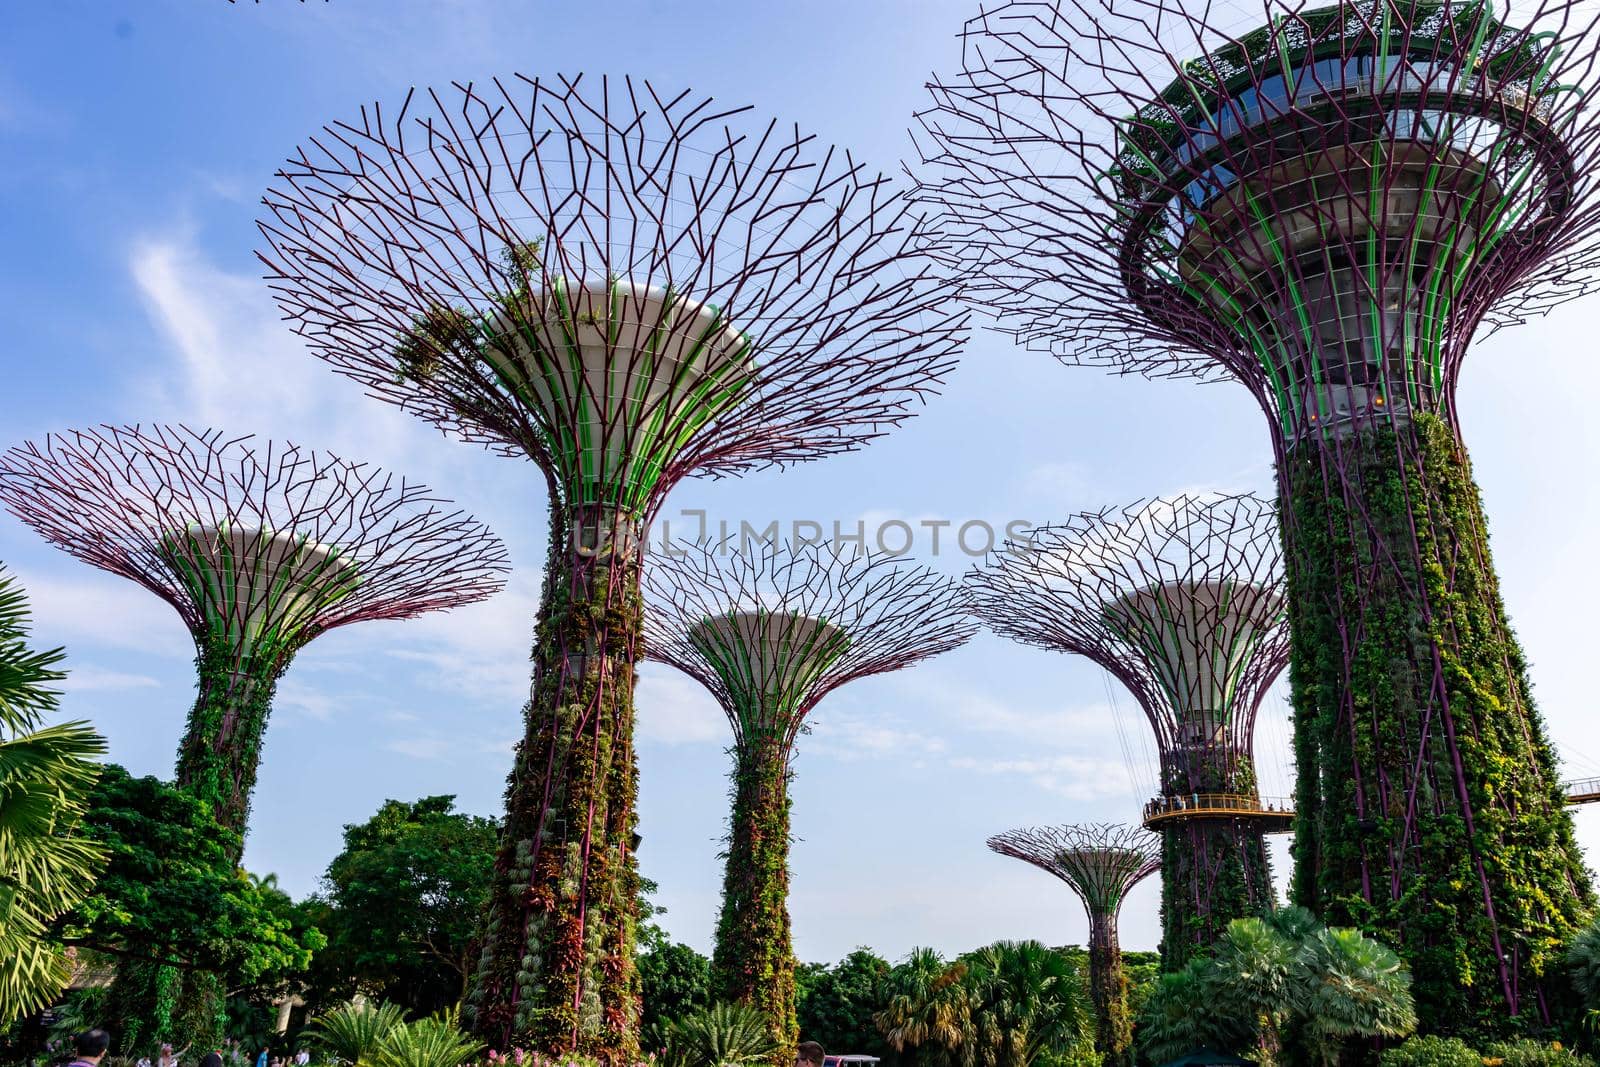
135,140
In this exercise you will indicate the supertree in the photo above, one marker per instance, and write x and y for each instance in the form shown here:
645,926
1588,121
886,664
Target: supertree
260,547
1181,600
1101,862
770,630
626,288
1325,203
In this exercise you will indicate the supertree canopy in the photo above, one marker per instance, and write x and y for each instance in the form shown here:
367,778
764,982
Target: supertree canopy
260,547
1181,600
770,630
1101,862
1325,203
626,288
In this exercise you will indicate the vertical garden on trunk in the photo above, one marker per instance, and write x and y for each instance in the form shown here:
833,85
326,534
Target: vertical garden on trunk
1416,730
771,629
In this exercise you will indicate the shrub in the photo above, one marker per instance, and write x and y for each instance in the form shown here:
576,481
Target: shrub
722,1035
433,1042
353,1032
1432,1051
1530,1053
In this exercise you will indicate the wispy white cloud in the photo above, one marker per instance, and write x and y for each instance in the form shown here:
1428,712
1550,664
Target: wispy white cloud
313,702
104,609
98,679
848,737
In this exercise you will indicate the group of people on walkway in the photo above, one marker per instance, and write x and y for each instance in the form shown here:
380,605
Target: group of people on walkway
92,1046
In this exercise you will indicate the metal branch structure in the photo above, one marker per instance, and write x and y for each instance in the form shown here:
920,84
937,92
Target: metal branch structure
1102,862
627,288
1327,204
1181,600
259,547
771,630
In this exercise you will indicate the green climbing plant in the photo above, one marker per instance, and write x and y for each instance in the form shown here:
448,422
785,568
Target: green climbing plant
1397,620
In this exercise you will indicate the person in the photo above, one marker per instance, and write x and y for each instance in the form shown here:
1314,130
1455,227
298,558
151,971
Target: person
808,1054
166,1059
261,1057
211,1059
90,1048
302,1058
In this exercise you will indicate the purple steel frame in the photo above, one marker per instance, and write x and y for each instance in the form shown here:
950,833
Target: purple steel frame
1181,600
1327,204
628,289
771,630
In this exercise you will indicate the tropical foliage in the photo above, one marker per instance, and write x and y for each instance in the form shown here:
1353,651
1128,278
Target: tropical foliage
354,1032
432,1042
836,1004
674,980
724,1035
1432,1050
1296,991
401,904
47,866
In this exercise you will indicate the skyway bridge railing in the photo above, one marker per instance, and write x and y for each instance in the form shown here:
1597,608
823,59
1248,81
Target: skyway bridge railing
1277,813
1583,791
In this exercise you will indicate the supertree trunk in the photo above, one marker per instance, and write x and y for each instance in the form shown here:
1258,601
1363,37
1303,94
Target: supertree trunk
1108,992
221,748
753,962
1439,823
557,967
1213,872
1214,869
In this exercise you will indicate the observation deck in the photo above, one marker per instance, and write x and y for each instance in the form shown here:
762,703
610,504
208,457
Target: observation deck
1274,815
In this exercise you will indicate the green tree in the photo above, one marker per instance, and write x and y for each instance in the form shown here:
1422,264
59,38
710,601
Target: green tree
675,981
174,907
724,1035
836,1004
46,773
1283,982
925,1007
1023,1000
404,900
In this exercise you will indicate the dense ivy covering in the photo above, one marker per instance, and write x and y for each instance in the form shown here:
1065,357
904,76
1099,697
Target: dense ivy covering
1212,872
557,970
1428,808
753,962
175,908
221,749
1108,993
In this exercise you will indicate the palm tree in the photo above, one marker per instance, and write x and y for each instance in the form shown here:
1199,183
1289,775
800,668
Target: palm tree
724,1035
1346,985
45,778
354,1032
926,1005
1024,999
1282,975
1251,968
432,1042
1181,1014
